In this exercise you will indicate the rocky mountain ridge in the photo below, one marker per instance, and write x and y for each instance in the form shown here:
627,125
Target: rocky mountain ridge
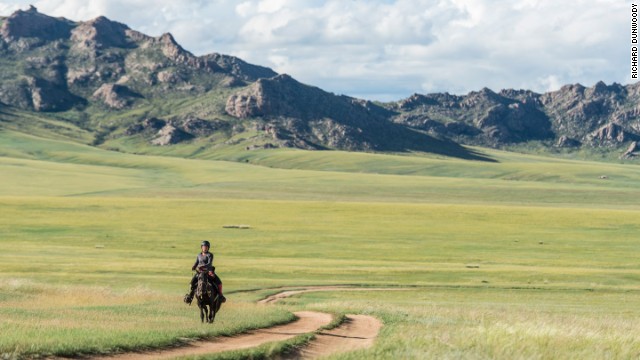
103,67
572,116
59,64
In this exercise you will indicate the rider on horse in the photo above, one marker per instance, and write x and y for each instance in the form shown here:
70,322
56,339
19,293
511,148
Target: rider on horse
204,262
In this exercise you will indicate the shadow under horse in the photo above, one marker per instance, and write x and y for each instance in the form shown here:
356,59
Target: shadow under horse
208,298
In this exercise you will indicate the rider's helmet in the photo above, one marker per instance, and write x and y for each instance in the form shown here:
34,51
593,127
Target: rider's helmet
205,243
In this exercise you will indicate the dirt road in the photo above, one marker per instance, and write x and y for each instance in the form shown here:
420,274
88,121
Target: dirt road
356,332
308,321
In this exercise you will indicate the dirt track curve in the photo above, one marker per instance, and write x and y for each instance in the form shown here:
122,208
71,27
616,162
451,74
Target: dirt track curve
356,332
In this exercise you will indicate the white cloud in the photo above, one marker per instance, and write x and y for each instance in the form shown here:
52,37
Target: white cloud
551,83
245,9
388,49
271,6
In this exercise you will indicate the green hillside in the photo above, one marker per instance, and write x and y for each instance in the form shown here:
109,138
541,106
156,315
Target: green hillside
310,175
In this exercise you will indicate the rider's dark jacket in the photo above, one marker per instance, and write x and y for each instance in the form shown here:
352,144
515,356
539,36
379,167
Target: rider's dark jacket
205,260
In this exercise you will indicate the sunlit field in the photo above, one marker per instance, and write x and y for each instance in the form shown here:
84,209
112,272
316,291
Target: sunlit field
528,257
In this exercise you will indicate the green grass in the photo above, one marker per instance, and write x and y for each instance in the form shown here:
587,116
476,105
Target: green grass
528,257
71,320
490,323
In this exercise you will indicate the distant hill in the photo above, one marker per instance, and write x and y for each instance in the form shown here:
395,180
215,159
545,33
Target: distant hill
132,89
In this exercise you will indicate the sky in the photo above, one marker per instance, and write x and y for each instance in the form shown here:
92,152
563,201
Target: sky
388,50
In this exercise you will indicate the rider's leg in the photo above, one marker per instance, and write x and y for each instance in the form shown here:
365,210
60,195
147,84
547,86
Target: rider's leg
189,297
218,283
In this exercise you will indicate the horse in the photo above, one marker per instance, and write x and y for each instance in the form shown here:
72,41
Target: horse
208,298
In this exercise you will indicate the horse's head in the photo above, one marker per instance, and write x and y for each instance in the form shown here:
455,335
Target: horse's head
203,282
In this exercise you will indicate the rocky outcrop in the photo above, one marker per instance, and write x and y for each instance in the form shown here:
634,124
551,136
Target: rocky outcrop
631,151
418,100
515,122
574,116
147,125
169,135
173,51
567,142
200,127
175,130
612,134
282,96
482,117
32,24
578,111
49,97
169,76
37,94
80,57
239,68
303,114
115,96
16,93
101,33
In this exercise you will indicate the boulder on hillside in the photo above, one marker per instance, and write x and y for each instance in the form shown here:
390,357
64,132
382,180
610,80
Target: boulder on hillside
567,142
148,125
115,96
169,135
200,127
613,134
631,151
170,76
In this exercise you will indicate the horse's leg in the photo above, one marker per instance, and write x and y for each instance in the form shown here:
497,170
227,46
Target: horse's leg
212,313
215,306
202,310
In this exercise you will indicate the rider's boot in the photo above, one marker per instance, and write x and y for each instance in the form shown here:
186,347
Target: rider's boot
189,297
222,298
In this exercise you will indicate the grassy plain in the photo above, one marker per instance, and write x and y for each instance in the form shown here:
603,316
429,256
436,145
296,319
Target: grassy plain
528,257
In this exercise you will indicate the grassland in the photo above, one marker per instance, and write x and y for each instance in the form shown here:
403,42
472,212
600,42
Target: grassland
528,257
